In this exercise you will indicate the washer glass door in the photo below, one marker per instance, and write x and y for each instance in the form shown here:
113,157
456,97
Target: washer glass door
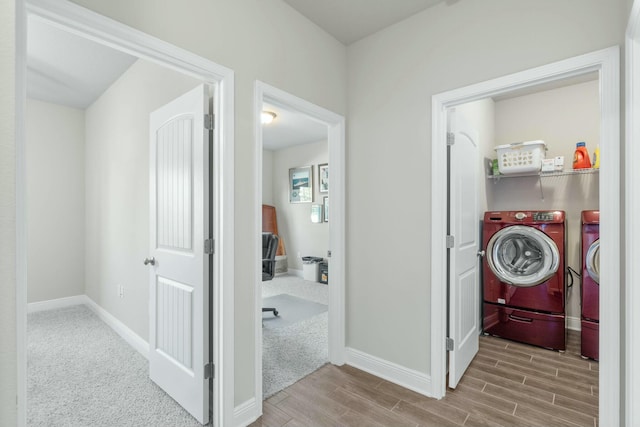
522,256
593,261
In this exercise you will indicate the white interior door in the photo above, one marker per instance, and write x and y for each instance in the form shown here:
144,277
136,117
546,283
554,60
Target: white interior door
179,273
464,273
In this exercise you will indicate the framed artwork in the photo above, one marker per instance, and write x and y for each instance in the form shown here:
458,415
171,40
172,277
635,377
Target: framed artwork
323,177
325,208
316,214
301,184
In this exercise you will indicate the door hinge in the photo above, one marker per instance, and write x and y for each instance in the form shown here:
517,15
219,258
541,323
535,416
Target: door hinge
449,344
450,242
209,371
328,254
209,121
209,246
451,138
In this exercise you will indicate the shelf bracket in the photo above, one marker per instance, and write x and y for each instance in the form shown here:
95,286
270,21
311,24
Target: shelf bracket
541,190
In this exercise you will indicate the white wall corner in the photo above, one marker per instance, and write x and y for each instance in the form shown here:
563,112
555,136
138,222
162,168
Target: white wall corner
246,413
54,304
400,375
133,339
294,272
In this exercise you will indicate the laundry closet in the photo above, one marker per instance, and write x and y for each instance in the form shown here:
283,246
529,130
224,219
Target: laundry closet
548,208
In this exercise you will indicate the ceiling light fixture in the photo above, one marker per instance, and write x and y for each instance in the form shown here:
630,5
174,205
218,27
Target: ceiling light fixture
267,117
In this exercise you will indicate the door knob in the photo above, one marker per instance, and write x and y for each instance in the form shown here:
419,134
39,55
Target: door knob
151,261
481,253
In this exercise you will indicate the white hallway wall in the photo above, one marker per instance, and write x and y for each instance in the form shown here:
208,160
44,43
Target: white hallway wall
55,197
392,76
117,189
292,54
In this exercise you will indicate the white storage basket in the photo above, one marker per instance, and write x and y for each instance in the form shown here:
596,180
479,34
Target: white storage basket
520,157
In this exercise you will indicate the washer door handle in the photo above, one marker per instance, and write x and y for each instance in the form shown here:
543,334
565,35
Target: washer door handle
481,253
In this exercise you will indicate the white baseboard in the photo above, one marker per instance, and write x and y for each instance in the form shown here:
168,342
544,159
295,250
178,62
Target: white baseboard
246,413
53,304
405,377
573,323
133,339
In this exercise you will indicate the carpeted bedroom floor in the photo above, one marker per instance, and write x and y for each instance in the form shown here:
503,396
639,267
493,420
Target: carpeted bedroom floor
81,373
300,346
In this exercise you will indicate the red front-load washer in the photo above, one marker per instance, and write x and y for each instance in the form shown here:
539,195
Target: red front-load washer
590,289
524,280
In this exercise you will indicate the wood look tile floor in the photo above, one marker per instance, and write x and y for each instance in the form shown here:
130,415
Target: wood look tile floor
508,384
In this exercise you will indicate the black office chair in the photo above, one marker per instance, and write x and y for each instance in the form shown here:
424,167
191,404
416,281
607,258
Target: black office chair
269,248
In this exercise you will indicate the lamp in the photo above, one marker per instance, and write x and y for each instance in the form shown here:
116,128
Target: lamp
267,117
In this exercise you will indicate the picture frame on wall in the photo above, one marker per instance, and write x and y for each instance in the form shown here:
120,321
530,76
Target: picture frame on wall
316,214
323,178
325,208
301,184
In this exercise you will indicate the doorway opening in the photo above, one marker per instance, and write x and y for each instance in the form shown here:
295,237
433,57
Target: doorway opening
605,64
313,214
79,22
295,298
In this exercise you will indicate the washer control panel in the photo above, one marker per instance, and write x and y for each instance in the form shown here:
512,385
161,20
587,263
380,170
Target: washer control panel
520,216
543,216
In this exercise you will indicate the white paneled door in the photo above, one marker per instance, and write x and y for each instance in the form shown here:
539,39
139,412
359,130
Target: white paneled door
179,266
464,272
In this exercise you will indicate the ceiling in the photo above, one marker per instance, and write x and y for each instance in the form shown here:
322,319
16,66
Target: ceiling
69,70
290,128
351,20
73,71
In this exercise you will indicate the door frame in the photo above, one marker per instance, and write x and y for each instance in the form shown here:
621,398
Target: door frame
336,140
99,28
606,63
632,200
